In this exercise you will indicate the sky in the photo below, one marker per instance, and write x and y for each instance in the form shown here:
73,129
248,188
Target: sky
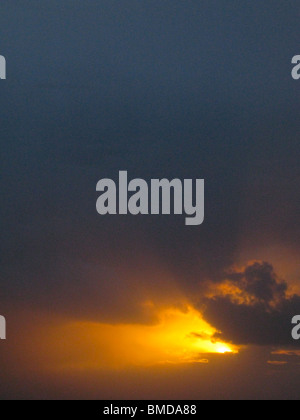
145,307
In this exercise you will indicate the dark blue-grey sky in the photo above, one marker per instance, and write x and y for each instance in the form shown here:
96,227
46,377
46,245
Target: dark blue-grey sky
172,88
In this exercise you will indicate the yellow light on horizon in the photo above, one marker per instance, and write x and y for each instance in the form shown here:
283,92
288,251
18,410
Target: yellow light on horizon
179,337
224,349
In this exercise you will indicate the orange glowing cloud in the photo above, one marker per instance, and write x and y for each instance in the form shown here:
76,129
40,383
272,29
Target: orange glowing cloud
178,337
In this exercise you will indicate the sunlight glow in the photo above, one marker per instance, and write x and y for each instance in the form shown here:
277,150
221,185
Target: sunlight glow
224,349
178,337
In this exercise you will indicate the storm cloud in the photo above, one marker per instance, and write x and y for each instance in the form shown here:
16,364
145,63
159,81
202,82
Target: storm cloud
163,89
257,311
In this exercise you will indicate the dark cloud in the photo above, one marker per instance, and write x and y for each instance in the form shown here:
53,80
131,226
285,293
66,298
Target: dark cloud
260,283
183,89
258,311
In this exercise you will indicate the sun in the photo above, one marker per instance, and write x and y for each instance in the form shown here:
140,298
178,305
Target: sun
222,349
